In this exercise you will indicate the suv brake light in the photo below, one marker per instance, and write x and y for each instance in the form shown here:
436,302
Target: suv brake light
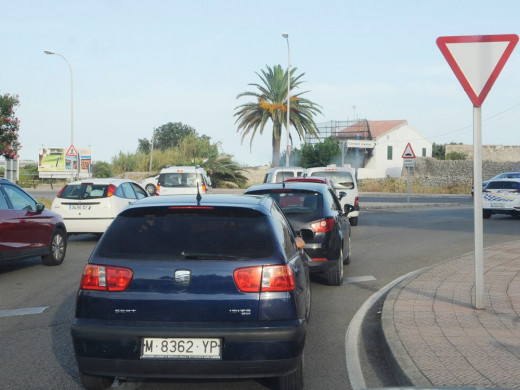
264,278
111,190
356,201
99,277
323,225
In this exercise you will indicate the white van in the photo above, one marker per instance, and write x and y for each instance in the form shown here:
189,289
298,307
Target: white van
343,180
183,180
279,174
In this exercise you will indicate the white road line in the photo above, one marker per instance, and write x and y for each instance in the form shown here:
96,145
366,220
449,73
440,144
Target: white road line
23,312
355,373
358,279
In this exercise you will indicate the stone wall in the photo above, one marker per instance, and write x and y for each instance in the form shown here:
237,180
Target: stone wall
440,173
498,153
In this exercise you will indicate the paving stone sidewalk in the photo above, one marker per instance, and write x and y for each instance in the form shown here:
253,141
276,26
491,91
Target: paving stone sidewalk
434,335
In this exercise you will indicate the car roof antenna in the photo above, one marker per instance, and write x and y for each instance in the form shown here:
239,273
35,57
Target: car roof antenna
199,197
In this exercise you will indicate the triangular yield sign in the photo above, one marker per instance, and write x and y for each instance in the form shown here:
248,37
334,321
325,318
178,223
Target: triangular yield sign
408,152
477,60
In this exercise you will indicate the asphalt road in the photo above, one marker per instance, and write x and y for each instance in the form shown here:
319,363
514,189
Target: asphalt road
36,349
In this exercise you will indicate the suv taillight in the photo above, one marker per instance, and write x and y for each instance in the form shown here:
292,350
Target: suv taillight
323,225
111,190
356,201
264,278
99,277
157,189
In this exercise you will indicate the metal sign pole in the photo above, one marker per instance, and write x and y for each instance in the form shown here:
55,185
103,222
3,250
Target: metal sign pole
477,208
408,184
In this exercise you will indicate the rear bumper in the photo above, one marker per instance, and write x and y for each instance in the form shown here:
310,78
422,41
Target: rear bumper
86,225
247,350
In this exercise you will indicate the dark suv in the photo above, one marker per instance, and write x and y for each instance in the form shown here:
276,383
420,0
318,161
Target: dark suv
176,287
315,213
28,229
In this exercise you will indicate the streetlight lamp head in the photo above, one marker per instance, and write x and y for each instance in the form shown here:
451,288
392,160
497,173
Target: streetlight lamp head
285,35
49,52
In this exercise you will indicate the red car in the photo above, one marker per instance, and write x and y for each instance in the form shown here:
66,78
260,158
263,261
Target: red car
28,229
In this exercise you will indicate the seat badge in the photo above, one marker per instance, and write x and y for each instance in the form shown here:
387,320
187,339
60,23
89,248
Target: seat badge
182,277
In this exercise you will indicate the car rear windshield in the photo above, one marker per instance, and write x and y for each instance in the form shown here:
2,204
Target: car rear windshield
84,191
340,179
189,233
180,179
503,185
294,201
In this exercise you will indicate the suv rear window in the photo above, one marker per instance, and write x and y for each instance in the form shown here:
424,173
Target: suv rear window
295,201
503,185
180,179
340,179
189,232
84,191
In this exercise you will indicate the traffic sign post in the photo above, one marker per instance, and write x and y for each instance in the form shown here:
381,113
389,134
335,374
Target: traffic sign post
477,60
408,163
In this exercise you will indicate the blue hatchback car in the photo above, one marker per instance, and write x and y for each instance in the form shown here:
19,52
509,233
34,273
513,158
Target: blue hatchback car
183,288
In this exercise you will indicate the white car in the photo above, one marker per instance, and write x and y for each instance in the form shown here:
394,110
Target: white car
90,205
342,179
150,184
180,180
501,196
279,174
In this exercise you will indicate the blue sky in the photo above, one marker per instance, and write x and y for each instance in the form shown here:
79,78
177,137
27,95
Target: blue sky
138,65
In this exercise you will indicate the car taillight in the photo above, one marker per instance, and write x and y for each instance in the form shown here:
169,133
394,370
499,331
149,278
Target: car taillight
111,190
61,191
157,189
99,277
204,188
264,279
323,225
356,201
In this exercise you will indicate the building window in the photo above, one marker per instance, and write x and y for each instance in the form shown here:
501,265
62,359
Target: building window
424,152
389,153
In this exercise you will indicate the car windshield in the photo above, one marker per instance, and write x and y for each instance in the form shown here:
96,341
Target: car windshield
84,191
503,185
293,201
340,179
188,233
180,179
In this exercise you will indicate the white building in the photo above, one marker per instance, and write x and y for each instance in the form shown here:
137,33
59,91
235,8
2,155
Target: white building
390,140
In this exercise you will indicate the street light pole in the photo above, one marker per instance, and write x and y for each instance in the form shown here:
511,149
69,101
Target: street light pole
49,52
288,152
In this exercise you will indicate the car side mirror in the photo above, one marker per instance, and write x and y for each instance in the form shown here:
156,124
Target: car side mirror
349,208
40,207
342,194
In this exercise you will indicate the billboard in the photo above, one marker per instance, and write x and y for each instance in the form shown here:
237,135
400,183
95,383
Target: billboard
62,163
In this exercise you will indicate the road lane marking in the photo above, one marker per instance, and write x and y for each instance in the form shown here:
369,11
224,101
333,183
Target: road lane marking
358,279
23,312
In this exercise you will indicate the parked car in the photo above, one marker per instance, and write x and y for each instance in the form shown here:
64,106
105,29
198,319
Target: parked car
90,205
501,196
216,288
343,180
150,184
316,214
28,229
180,180
279,174
504,175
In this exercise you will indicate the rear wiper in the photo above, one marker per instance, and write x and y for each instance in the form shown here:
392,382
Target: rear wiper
209,256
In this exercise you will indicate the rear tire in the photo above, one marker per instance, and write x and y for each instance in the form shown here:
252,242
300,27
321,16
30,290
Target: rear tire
335,274
293,381
486,214
93,382
57,248
353,221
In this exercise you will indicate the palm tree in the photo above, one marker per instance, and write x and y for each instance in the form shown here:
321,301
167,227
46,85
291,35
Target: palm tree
271,105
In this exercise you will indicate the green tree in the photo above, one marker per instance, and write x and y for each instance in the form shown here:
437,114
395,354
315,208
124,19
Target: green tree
320,154
166,136
438,151
9,127
102,169
271,106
